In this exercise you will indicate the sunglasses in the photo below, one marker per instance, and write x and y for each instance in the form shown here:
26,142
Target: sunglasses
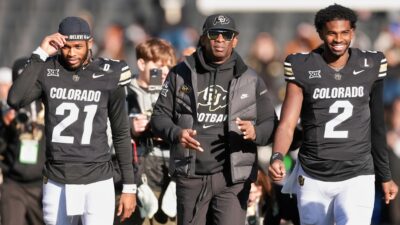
226,34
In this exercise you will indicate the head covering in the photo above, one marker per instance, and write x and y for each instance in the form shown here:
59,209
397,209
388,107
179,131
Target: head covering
75,28
5,75
218,22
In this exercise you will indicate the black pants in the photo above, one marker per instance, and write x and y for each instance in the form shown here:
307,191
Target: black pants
211,200
21,205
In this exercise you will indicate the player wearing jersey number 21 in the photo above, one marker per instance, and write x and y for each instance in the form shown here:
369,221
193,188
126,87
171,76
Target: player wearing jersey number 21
337,93
80,95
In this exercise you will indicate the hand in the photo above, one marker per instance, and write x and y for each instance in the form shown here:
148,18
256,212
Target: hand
277,170
390,190
187,140
126,206
52,43
247,128
139,124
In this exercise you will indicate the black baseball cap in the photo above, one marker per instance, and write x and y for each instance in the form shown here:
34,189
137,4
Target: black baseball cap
219,22
75,28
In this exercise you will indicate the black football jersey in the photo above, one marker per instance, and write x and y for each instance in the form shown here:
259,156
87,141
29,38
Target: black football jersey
335,113
78,105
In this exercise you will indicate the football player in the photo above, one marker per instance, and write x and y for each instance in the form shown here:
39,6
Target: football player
80,94
337,93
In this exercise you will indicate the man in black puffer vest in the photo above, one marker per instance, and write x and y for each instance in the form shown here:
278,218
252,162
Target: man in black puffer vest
214,111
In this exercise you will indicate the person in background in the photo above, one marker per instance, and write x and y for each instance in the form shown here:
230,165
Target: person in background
155,57
22,166
113,45
214,111
264,57
393,140
336,91
7,114
5,84
80,95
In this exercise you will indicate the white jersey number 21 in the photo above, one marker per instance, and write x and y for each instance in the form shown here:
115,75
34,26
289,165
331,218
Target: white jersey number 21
70,119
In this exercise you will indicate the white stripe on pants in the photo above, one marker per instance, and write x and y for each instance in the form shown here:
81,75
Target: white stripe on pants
98,208
348,202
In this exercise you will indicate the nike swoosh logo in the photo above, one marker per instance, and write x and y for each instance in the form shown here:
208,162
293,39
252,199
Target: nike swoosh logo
357,72
97,75
208,126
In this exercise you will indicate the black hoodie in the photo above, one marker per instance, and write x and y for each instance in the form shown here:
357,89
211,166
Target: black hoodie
212,111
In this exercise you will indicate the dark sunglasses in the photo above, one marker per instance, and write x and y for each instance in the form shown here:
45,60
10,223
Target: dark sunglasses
226,34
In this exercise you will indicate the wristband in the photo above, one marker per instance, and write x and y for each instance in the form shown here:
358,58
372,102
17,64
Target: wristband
129,188
41,53
276,156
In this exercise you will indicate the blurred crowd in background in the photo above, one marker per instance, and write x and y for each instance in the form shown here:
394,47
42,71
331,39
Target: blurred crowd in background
265,40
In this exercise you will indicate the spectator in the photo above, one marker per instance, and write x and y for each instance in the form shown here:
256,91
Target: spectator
306,39
393,140
264,57
24,156
154,55
113,46
5,84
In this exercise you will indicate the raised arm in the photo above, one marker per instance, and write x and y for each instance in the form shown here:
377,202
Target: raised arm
26,87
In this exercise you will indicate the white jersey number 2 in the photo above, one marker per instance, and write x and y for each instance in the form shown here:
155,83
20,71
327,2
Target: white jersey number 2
330,131
72,118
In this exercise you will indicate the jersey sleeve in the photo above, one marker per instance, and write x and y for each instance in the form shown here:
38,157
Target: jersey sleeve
289,75
26,87
291,71
120,134
383,66
118,71
124,74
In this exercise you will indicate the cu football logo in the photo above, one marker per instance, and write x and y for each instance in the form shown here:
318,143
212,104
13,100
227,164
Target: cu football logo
212,98
222,20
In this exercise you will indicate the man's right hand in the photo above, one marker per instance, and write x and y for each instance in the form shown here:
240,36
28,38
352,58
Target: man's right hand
187,140
126,206
52,43
276,170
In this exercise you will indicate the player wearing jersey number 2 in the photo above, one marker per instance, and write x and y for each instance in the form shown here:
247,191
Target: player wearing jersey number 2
337,93
80,94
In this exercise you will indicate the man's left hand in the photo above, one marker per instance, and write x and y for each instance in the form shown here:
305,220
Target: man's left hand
127,205
390,190
247,128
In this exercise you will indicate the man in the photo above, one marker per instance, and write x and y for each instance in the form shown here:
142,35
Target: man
24,156
155,57
337,93
214,110
79,95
